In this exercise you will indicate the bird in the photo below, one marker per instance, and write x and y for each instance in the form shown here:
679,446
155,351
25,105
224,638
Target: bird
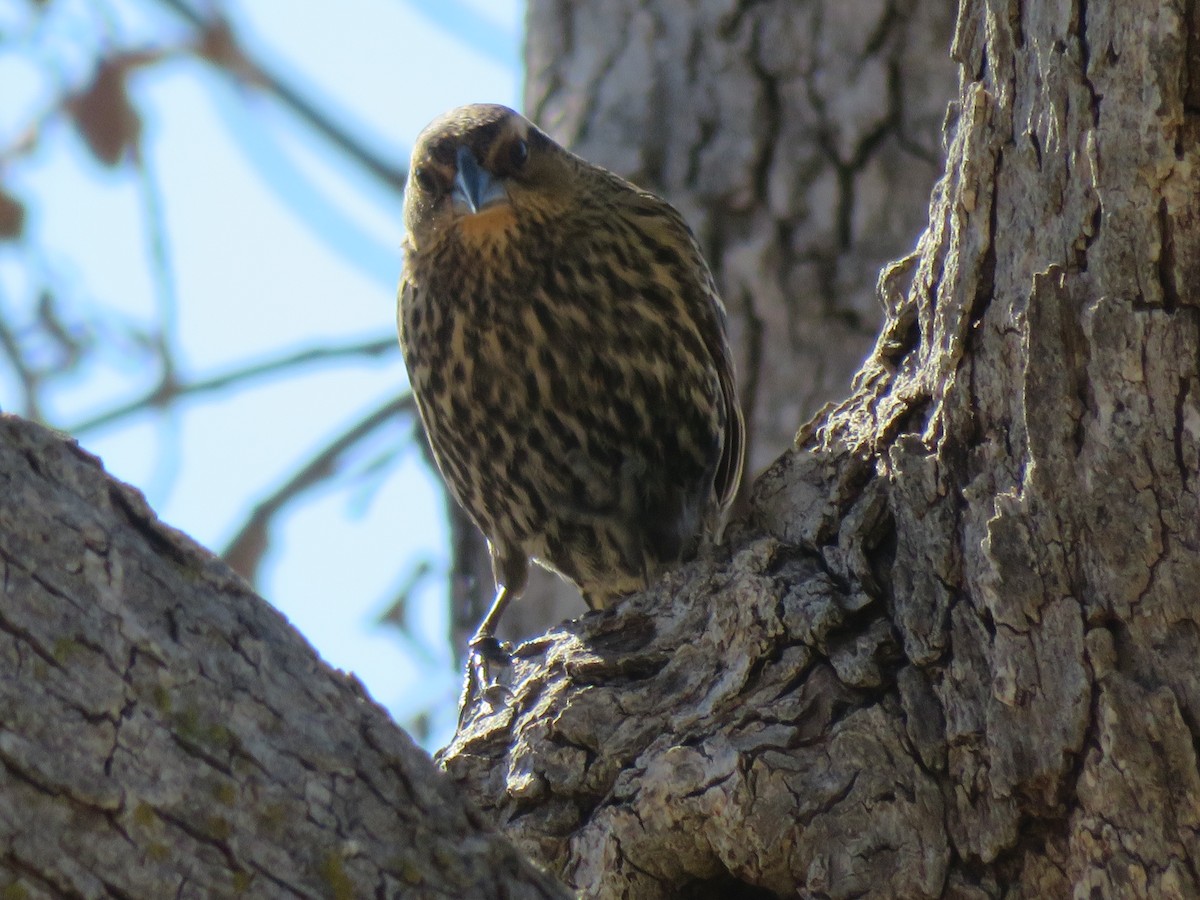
567,349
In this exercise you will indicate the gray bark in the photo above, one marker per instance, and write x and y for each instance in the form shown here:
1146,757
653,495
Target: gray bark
950,652
953,651
800,140
165,733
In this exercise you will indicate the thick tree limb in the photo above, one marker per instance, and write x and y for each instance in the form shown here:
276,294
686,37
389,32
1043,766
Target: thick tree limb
164,732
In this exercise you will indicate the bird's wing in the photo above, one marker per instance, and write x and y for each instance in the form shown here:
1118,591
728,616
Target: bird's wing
733,452
710,320
733,449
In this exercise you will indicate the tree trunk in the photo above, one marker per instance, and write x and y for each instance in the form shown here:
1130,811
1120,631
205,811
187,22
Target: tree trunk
800,140
953,651
165,733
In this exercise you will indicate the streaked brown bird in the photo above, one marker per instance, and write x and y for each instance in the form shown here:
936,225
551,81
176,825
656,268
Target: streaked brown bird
566,346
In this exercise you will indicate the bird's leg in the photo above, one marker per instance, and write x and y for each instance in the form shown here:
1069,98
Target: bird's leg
484,646
483,650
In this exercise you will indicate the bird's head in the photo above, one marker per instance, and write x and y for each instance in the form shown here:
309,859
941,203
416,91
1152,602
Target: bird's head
477,170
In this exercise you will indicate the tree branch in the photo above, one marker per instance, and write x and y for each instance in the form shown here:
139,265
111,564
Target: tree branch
381,169
166,733
167,392
245,552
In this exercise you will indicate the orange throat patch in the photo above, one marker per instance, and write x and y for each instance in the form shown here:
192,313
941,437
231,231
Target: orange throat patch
492,224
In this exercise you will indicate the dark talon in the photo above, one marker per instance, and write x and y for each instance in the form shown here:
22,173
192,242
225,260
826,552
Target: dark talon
484,653
490,650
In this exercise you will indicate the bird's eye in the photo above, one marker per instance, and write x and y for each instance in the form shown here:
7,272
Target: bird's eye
517,154
425,180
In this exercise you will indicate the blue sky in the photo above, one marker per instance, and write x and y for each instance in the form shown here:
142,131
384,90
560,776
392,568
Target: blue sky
272,247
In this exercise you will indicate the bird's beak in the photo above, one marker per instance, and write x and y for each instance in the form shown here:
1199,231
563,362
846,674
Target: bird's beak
475,188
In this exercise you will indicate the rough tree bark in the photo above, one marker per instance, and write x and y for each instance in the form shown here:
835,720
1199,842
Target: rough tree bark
951,652
799,139
165,733
954,650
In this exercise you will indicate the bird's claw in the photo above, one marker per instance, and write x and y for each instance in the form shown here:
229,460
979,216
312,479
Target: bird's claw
487,650
483,653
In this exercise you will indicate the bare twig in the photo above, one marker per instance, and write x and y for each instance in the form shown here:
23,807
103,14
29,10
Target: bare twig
27,378
166,393
169,452
162,274
245,552
391,176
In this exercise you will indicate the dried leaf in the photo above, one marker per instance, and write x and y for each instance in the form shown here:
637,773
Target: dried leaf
103,112
218,45
12,216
